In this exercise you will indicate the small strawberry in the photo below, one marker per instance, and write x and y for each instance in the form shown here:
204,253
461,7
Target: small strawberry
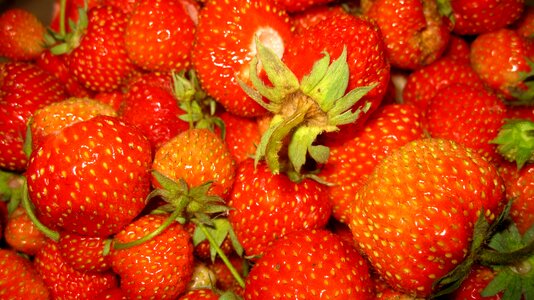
415,217
414,31
310,264
22,34
24,88
84,253
21,233
156,269
472,287
458,49
93,185
225,45
19,279
160,34
65,282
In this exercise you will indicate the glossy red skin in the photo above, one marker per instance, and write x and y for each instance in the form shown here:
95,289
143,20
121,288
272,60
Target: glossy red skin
468,115
221,56
458,49
94,184
265,207
21,33
366,58
64,282
423,199
154,111
499,57
474,17
24,88
100,62
20,280
285,270
303,20
293,6
474,284
350,163
84,253
414,32
199,294
423,84
21,233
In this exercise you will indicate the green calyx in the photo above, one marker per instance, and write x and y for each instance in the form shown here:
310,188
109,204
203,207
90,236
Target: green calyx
515,141
64,41
301,110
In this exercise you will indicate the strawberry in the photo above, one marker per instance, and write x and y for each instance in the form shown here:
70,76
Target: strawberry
296,267
350,163
280,206
84,253
293,6
415,217
242,135
19,279
156,269
21,234
525,25
197,156
113,99
114,293
199,294
468,115
160,34
65,282
474,284
473,17
501,65
225,44
24,88
414,31
71,10
424,83
458,49
21,34
303,20
52,118
366,59
225,279
93,185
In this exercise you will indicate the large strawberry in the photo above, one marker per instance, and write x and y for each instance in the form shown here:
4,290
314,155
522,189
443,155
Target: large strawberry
414,31
91,178
415,217
225,44
21,34
310,264
19,279
24,88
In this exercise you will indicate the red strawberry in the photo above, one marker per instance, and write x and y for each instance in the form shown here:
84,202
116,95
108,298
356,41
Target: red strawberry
225,279
64,282
72,12
84,253
473,17
113,99
303,20
19,279
300,5
24,88
472,287
458,49
224,46
310,264
156,269
525,25
21,233
415,217
468,115
91,178
160,34
242,135
414,31
22,34
499,58
100,62
199,294
115,293
423,84
280,206
350,163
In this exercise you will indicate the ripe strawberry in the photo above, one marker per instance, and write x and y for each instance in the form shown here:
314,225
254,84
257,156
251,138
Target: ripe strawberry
472,287
293,6
414,31
52,118
19,279
21,233
199,294
499,58
93,185
242,135
160,34
480,16
63,281
21,34
525,25
366,59
84,253
100,62
415,217
468,115
423,84
310,264
280,206
72,12
225,44
156,269
458,49
350,163
225,279
197,156
24,88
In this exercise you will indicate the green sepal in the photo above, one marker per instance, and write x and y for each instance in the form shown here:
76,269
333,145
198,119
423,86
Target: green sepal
219,230
342,114
310,81
302,144
515,141
445,9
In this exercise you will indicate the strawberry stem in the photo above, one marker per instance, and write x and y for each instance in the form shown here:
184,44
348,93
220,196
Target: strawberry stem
28,207
62,12
492,257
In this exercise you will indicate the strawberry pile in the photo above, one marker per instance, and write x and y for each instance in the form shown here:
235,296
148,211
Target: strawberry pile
268,149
